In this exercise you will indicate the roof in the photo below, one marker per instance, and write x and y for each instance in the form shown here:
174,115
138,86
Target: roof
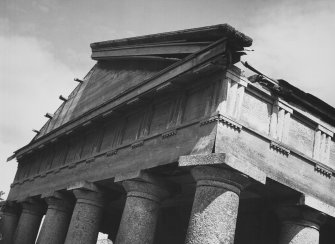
127,64
207,33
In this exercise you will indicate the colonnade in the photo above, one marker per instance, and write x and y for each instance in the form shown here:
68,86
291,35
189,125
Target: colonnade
213,217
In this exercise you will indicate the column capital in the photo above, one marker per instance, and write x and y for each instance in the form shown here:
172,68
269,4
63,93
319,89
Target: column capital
146,185
58,201
87,192
226,161
220,177
33,206
301,215
10,207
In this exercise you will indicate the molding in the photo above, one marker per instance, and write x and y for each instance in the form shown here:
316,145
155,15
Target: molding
133,101
85,185
237,78
314,119
325,130
317,204
41,146
54,140
108,113
90,160
169,133
279,148
209,120
323,171
111,153
284,105
87,123
223,119
164,86
137,144
231,123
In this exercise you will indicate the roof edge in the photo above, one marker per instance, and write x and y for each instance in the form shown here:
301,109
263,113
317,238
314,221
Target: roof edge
215,32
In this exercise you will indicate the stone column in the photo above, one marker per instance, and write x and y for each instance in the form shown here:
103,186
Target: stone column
57,219
215,206
299,224
8,221
140,214
29,222
87,215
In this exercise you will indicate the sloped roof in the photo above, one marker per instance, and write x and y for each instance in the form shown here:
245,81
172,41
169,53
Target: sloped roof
105,80
126,63
110,77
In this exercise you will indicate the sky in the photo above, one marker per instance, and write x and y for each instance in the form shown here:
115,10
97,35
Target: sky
44,44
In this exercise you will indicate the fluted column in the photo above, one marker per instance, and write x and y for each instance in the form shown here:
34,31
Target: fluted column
139,218
215,206
29,222
8,222
57,219
299,224
86,217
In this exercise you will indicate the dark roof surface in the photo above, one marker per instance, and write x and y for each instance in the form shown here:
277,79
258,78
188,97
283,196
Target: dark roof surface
106,79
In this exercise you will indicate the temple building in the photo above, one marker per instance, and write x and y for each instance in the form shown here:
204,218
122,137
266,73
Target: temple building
166,141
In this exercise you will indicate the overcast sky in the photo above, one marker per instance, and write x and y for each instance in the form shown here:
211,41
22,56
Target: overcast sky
44,44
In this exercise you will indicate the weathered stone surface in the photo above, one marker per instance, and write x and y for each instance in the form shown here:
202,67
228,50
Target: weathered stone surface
139,218
57,220
215,206
86,217
317,204
9,216
225,160
29,222
299,225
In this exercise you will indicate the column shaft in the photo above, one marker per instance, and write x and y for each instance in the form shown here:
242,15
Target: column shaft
8,222
299,224
29,223
293,233
140,214
86,218
56,222
215,206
